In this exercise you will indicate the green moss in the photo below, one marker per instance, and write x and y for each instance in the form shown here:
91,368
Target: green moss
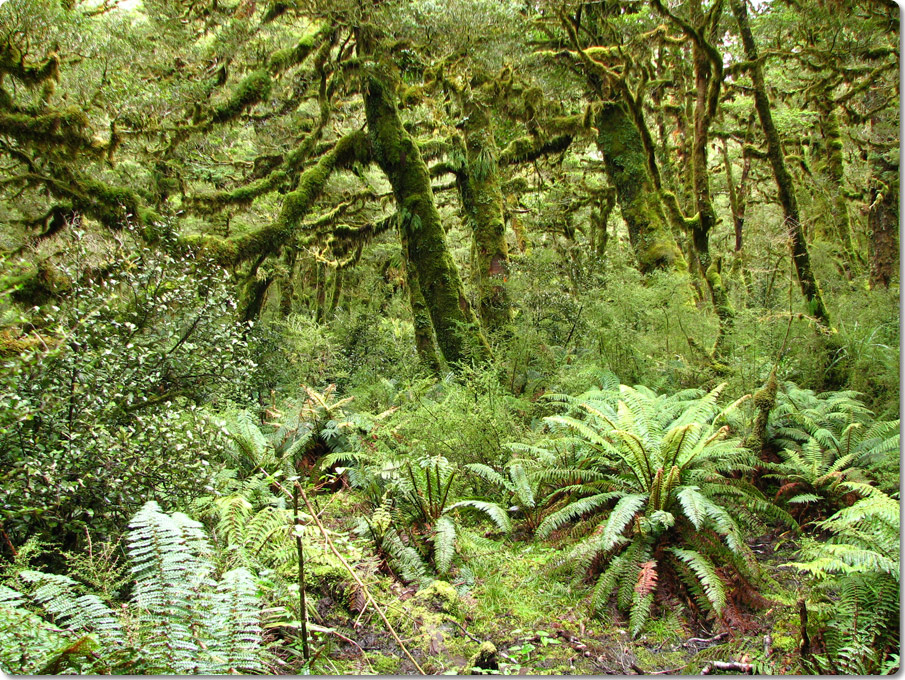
38,285
254,88
221,250
286,58
12,61
442,597
425,239
383,665
485,658
67,127
626,164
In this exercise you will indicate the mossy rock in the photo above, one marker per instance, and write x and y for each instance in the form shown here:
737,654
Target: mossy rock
485,659
441,597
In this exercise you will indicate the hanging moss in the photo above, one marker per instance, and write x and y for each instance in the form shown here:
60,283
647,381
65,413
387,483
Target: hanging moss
66,128
254,88
12,61
351,149
626,164
800,255
527,149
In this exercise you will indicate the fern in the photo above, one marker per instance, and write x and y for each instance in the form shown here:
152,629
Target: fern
180,619
660,472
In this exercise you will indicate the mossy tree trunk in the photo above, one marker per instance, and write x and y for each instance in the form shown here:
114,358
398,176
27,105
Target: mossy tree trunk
397,154
625,161
425,339
806,279
883,216
482,199
835,172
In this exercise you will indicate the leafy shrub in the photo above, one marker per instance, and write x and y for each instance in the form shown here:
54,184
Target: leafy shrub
124,360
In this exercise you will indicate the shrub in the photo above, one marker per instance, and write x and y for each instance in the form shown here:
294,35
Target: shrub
124,361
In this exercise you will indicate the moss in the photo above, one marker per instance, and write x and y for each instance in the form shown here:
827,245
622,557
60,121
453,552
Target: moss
626,164
254,88
221,250
440,596
383,665
286,58
485,659
426,248
67,127
482,198
12,344
527,149
12,61
352,148
39,285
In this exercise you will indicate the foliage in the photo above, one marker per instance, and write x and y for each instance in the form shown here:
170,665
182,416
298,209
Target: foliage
180,620
122,367
827,439
416,517
663,467
857,571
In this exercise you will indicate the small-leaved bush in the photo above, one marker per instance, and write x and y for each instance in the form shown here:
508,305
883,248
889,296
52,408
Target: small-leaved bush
107,408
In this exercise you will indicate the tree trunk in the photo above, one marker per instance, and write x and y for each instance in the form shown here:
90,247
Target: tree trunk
835,173
397,154
883,218
787,199
482,199
625,160
425,340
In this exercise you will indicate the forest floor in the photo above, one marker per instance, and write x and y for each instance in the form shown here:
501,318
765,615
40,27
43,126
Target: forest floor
539,622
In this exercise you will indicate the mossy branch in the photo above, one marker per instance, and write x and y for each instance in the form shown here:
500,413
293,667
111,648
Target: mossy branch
354,147
12,61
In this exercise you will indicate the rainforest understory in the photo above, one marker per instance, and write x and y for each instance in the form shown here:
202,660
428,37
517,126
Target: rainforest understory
449,337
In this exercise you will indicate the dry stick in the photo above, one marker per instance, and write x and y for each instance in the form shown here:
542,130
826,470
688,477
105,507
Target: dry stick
358,581
303,606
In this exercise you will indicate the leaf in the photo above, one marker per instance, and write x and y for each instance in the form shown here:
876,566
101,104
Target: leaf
706,574
647,578
444,543
494,512
622,514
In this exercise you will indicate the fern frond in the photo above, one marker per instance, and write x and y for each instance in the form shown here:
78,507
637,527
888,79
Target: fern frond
494,512
703,568
444,544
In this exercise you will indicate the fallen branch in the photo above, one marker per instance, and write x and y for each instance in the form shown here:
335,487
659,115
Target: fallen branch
693,642
361,585
736,666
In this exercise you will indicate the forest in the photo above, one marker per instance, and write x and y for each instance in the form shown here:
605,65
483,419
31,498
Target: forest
517,337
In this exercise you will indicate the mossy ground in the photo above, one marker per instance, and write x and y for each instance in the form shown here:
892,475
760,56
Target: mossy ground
506,593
